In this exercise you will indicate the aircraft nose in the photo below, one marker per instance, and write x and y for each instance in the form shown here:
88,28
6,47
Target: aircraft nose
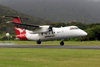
84,33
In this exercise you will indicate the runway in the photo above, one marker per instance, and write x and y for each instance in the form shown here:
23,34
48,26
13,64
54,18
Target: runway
50,46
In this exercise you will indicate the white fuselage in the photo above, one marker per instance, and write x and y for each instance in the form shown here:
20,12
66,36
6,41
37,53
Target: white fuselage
57,33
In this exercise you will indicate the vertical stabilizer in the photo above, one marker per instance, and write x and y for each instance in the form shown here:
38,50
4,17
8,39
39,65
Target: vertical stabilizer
20,32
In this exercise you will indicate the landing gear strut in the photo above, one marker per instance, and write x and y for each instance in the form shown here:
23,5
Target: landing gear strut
62,43
81,39
39,41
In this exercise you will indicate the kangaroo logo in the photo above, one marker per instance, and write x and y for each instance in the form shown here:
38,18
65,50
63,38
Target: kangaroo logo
20,30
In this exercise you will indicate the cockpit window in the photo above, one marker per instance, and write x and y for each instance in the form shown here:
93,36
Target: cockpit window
73,28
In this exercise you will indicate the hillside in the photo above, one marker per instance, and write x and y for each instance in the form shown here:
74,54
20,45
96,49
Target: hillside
5,11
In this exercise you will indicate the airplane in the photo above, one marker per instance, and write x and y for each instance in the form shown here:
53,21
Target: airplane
44,33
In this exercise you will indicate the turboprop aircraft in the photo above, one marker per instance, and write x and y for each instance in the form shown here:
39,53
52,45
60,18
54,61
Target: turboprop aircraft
45,32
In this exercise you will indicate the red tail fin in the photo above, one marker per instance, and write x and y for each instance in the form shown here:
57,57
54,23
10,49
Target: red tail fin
16,19
19,31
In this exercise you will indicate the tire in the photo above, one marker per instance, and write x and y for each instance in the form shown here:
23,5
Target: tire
62,43
39,42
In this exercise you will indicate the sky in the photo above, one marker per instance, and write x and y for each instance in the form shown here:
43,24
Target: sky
56,10
94,0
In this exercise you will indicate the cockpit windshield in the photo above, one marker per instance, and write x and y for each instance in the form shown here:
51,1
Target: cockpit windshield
74,28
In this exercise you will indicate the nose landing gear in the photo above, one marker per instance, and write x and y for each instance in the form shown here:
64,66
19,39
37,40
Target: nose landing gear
81,39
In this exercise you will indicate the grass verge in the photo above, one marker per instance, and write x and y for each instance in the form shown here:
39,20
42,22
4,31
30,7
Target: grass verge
26,57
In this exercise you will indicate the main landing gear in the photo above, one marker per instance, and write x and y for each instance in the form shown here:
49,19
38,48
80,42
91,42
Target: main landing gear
62,43
39,41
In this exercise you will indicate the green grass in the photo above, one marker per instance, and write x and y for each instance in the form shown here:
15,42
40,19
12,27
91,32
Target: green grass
54,42
26,57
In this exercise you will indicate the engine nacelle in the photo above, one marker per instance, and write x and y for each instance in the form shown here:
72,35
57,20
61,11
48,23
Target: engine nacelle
42,29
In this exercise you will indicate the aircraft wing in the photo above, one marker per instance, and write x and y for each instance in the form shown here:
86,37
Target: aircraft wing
26,26
35,28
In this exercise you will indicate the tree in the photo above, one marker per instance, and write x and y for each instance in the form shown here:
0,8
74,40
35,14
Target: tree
57,24
79,24
93,33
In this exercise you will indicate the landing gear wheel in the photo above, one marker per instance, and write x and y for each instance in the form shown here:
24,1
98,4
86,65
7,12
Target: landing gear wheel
62,43
39,42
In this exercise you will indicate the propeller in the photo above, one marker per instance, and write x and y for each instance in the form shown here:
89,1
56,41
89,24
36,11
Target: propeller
50,28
